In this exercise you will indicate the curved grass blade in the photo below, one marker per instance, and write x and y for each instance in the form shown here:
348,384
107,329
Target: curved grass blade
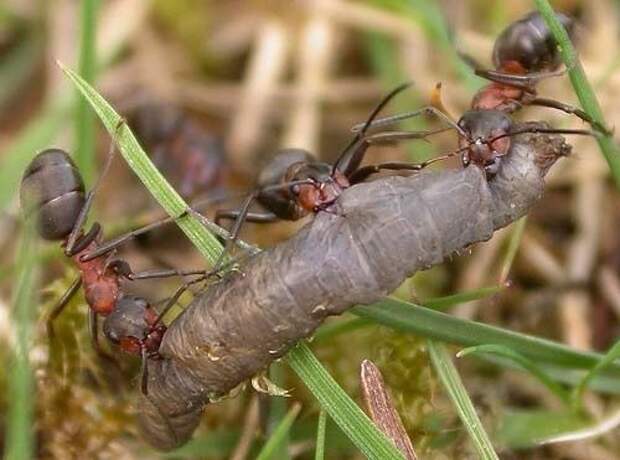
280,434
436,325
524,428
347,415
582,87
341,326
612,355
522,361
141,164
454,386
442,303
513,246
600,428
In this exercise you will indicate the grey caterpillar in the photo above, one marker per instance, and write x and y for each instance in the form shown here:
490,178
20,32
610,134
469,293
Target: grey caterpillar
383,232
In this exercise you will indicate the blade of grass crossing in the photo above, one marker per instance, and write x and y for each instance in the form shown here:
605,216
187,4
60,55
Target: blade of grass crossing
441,303
458,394
277,412
319,450
279,436
513,247
347,415
612,355
525,363
582,87
20,440
436,325
84,117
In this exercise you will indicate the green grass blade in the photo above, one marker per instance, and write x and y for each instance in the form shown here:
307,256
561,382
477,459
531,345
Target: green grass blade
458,394
141,164
522,361
279,435
436,325
582,87
612,355
277,411
442,303
341,326
513,246
522,428
319,450
347,415
20,439
84,117
607,384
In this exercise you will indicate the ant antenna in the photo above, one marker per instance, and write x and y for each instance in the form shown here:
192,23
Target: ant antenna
436,108
537,130
81,219
369,121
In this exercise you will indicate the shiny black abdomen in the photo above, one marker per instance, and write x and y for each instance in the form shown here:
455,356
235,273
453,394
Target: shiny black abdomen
52,188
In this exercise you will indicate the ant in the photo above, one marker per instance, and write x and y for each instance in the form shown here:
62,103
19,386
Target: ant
295,184
193,159
484,134
138,329
53,190
524,54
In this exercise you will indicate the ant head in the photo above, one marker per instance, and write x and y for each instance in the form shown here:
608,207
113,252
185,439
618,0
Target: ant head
323,185
129,324
274,171
480,146
527,45
52,188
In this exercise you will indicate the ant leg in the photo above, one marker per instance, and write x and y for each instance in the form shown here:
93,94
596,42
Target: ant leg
144,372
117,241
236,229
544,102
255,217
525,82
150,274
427,110
362,173
94,336
348,168
350,157
178,293
60,306
219,231
81,219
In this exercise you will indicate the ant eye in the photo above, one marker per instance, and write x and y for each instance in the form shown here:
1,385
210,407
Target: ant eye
295,189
